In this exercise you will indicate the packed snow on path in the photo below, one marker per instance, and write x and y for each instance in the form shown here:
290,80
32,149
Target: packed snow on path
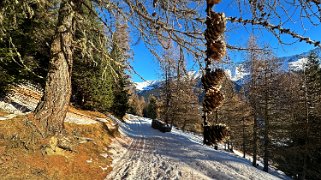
150,154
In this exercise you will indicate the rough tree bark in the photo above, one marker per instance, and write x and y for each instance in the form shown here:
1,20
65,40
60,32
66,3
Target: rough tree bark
254,139
266,156
306,135
51,110
243,143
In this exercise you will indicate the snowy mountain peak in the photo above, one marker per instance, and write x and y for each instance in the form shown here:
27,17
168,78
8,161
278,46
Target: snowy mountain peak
194,74
152,84
146,85
298,65
238,73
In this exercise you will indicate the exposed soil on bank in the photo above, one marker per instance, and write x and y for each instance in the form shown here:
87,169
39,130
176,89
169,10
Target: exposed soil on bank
80,153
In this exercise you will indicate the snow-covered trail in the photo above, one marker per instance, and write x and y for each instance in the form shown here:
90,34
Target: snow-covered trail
150,154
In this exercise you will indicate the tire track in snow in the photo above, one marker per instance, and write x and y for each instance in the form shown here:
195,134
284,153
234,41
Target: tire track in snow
175,155
130,160
141,160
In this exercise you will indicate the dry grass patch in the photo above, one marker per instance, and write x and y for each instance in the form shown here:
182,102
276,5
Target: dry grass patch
3,113
90,114
26,91
80,154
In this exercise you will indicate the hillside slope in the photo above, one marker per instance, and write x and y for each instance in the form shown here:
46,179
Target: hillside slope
81,153
150,154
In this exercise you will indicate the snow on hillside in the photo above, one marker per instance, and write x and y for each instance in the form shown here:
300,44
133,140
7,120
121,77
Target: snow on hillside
238,74
150,154
146,85
194,74
150,85
298,65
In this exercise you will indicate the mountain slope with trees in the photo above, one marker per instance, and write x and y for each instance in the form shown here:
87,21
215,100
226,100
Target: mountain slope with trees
78,52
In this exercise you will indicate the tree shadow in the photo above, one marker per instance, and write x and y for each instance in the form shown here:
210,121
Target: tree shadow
181,148
20,107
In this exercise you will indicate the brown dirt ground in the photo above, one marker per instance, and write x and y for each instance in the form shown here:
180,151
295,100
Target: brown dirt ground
26,92
90,114
3,113
80,154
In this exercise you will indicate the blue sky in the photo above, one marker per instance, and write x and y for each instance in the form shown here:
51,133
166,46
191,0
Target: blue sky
148,67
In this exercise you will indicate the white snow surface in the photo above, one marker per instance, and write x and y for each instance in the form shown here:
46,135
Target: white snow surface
298,65
194,74
145,85
20,104
240,73
152,84
150,154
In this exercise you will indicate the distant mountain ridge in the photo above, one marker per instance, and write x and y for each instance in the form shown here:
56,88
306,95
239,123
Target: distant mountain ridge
236,73
153,84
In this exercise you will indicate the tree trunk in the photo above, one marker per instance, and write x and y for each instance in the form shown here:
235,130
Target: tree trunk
266,145
306,135
168,94
243,143
266,129
51,110
254,140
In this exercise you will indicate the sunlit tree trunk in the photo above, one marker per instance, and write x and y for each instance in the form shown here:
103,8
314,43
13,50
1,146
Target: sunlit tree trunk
253,92
254,140
243,139
51,110
266,128
306,135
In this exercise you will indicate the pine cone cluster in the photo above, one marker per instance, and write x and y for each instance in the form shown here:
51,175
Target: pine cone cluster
216,25
220,131
213,99
213,78
216,49
215,133
212,81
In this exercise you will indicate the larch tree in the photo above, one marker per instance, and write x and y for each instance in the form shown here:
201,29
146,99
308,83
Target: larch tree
51,111
253,63
179,102
268,102
21,22
311,89
168,66
151,109
154,22
284,152
136,103
92,84
120,54
186,113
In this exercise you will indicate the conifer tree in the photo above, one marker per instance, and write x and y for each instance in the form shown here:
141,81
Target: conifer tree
166,96
26,30
153,28
92,84
136,104
311,98
120,55
252,88
151,110
186,111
